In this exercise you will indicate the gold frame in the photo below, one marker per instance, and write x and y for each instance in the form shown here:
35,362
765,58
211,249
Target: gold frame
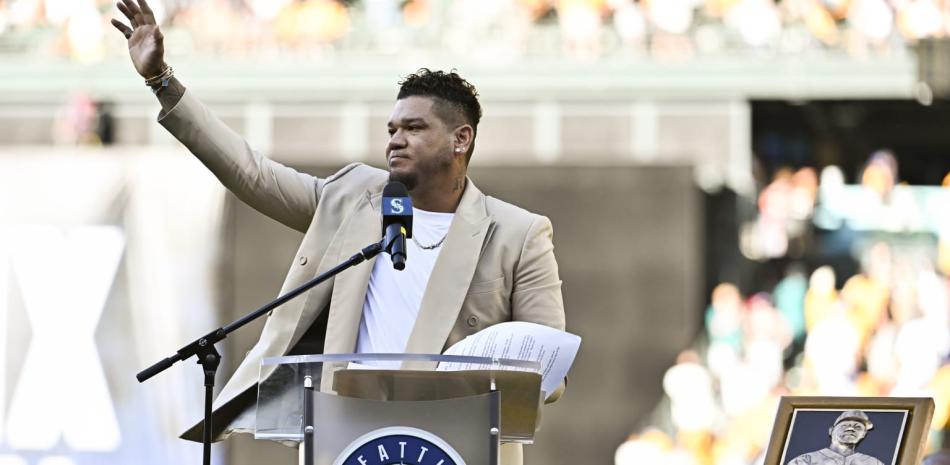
919,413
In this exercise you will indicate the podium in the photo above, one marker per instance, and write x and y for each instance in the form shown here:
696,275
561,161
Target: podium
376,409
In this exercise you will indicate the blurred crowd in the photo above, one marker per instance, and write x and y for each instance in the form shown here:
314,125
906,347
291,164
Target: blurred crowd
881,331
795,200
490,29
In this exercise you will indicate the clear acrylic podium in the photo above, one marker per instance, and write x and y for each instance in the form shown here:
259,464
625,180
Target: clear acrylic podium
359,409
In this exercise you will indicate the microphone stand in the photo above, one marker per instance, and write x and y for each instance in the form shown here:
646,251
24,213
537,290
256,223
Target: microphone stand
209,358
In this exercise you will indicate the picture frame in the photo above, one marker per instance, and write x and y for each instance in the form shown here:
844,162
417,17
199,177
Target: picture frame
895,429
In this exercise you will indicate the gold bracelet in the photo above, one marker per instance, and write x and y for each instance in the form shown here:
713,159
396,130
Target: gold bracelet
166,74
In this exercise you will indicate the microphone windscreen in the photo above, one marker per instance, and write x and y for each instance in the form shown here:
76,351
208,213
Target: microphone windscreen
395,189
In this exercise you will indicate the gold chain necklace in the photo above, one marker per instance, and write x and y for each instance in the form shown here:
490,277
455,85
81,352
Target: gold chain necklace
430,247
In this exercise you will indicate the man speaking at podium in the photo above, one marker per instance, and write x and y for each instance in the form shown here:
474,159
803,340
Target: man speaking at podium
473,261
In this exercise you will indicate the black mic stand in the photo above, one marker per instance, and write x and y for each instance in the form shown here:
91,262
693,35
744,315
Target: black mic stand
209,358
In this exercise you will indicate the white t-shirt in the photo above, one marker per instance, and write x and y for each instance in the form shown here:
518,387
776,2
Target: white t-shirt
393,297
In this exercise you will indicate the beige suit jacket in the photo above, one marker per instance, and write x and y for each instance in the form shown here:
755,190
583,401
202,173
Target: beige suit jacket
497,262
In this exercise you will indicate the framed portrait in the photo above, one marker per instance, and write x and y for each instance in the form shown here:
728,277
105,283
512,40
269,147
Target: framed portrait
851,430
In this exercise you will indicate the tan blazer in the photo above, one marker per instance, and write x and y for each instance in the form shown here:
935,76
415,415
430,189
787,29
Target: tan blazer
497,262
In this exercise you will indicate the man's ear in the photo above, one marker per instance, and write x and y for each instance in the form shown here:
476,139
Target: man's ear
830,429
464,135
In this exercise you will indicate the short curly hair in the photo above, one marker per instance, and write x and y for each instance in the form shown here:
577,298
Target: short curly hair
456,100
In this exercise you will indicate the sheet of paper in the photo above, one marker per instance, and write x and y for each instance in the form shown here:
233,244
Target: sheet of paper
553,349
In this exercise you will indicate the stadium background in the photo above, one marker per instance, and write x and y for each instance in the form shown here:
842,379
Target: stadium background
750,199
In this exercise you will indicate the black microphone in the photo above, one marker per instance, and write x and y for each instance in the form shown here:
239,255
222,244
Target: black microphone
397,222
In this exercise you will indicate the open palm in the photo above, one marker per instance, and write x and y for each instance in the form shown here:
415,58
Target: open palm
146,43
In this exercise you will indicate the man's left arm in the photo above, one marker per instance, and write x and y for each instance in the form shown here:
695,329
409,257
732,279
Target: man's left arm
536,291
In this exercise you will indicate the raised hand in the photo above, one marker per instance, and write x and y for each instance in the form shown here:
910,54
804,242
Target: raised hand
146,42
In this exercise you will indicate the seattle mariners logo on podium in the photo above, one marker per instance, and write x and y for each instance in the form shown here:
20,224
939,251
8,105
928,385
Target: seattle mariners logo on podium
397,445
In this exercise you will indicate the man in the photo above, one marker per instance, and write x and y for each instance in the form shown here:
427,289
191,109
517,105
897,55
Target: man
474,261
846,432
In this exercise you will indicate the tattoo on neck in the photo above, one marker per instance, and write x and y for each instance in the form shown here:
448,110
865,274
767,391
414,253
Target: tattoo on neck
459,184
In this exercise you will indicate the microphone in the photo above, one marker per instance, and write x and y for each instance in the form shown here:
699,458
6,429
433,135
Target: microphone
397,222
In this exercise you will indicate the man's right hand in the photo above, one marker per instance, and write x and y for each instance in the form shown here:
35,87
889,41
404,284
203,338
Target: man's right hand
146,42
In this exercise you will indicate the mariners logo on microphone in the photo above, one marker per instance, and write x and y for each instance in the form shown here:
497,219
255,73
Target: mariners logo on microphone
399,445
399,206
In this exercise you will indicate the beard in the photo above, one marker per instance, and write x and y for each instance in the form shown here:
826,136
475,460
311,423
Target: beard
410,180
430,168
